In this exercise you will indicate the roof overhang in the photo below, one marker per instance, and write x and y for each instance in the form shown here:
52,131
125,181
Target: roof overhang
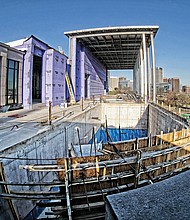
115,47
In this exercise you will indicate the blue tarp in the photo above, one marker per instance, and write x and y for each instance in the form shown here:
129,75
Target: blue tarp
119,134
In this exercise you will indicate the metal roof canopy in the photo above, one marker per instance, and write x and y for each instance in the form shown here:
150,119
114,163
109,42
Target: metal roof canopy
115,47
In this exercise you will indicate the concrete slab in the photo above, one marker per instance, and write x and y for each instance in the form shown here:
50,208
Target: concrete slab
168,199
19,125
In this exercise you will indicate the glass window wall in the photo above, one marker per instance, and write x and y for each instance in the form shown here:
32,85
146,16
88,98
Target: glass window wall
12,82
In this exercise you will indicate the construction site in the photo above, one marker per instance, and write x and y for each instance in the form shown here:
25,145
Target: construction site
98,157
62,171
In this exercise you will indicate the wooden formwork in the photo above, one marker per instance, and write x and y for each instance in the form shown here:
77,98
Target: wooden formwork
125,165
85,181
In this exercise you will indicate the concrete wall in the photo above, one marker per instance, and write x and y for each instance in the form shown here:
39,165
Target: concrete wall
126,115
161,119
50,143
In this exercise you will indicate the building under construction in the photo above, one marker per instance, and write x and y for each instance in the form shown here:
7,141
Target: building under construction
71,163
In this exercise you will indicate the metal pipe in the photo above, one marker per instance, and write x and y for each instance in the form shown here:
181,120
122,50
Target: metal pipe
85,190
67,191
79,141
94,141
119,133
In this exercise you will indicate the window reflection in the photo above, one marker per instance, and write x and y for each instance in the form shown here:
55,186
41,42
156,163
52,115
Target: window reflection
12,82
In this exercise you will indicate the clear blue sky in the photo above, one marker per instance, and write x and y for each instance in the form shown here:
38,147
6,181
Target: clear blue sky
48,19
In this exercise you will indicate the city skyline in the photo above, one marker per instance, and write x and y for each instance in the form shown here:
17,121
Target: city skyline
48,20
129,74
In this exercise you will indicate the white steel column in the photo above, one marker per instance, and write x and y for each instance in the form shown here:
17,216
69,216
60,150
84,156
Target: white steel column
73,54
145,68
153,68
142,73
149,74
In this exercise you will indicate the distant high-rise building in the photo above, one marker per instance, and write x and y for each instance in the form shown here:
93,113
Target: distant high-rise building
123,82
186,89
114,83
162,88
130,84
165,80
175,82
163,84
159,75
122,79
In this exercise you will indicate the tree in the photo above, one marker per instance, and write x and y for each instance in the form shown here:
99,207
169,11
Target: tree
177,99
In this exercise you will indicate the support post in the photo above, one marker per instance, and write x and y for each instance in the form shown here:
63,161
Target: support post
79,141
137,144
67,190
137,169
142,73
93,100
150,140
50,113
153,68
7,191
179,111
149,74
94,141
82,104
100,98
145,68
119,133
161,138
174,135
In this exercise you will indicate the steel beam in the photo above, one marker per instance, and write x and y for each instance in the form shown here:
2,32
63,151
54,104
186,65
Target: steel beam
115,33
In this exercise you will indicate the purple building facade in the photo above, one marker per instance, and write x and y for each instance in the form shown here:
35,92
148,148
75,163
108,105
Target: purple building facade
43,72
55,77
88,74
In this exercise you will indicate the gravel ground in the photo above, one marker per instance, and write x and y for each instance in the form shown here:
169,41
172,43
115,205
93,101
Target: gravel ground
168,200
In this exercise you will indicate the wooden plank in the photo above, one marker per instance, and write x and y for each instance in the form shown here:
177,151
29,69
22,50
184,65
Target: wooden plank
137,169
107,184
7,193
10,196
